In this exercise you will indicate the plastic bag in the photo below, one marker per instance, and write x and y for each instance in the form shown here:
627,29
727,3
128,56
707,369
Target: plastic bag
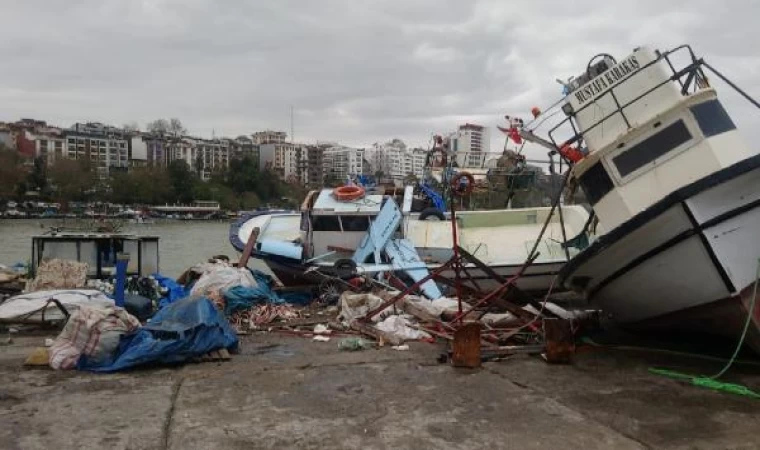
354,306
219,277
398,326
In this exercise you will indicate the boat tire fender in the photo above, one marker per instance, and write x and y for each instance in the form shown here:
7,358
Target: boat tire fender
432,212
462,184
345,268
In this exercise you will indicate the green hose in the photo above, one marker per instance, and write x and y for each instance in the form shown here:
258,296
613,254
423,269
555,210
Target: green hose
711,381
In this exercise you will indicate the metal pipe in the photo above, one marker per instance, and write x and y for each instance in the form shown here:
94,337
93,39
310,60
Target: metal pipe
730,83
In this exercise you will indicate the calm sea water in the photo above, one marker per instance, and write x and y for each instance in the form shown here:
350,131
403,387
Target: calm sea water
181,243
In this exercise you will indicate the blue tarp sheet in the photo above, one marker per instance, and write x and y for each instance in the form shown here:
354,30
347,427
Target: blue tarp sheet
176,291
182,330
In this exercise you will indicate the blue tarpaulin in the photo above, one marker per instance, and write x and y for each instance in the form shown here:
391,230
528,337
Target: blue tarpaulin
182,330
176,291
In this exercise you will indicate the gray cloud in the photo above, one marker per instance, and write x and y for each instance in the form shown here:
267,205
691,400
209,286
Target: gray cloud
355,71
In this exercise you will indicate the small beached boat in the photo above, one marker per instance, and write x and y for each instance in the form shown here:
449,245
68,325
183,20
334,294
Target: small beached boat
328,230
669,176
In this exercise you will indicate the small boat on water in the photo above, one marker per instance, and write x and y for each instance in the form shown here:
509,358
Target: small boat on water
669,176
328,230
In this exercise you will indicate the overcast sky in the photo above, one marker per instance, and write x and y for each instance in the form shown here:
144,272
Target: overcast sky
355,71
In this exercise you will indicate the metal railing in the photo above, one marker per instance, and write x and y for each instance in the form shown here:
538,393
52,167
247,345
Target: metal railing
695,78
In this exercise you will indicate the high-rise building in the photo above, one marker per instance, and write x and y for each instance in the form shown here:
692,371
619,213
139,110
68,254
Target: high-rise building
341,163
394,162
268,137
471,144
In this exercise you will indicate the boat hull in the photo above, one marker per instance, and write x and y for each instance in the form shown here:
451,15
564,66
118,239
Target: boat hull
537,278
688,262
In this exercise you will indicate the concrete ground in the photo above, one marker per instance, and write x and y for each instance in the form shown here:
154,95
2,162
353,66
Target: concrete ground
290,392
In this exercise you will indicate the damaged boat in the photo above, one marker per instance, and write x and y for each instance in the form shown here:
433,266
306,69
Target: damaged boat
328,232
668,174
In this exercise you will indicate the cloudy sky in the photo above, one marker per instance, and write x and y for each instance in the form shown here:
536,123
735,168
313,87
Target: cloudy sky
355,71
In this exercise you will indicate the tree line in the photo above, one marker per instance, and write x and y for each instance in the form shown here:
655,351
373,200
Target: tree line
240,186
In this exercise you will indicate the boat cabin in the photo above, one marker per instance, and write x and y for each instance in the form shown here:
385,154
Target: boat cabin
332,226
99,251
648,130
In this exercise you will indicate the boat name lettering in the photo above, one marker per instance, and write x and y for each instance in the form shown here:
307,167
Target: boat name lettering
607,80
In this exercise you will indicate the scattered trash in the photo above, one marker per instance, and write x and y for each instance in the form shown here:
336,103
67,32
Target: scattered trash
218,277
40,357
41,306
401,348
320,338
398,326
353,344
186,329
354,306
93,332
321,329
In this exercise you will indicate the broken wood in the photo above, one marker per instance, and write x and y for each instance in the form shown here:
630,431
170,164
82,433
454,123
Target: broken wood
243,262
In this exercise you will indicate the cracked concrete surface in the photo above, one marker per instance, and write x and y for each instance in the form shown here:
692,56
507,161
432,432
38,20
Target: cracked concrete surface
291,392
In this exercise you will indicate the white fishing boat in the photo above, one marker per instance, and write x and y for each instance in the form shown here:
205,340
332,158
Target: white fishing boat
669,176
327,231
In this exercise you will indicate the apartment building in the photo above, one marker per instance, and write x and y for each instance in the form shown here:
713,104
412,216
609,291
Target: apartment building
341,163
104,146
394,162
472,144
268,137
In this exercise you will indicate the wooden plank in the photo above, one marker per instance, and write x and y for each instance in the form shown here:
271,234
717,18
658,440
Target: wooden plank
466,346
224,354
243,262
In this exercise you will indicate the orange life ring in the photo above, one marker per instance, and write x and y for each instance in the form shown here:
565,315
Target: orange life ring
458,187
348,193
571,153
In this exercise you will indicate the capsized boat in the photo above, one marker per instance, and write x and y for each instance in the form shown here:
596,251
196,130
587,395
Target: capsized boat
669,176
327,231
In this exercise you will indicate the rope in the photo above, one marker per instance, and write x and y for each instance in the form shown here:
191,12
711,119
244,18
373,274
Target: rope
711,382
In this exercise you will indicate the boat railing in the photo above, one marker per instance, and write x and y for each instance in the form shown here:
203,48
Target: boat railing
694,79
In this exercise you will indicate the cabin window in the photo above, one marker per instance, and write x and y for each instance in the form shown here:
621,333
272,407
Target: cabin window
596,183
326,223
355,223
652,148
712,118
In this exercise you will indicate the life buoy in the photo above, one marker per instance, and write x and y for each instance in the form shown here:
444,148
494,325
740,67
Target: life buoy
462,184
348,193
571,153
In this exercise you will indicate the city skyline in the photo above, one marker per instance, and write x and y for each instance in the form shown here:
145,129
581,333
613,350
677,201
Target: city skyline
352,71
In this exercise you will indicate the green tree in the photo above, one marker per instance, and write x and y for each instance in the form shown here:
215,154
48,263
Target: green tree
72,179
11,174
37,178
183,182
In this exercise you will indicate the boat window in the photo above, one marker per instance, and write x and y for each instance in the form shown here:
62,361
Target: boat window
326,223
355,223
596,183
712,118
652,148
